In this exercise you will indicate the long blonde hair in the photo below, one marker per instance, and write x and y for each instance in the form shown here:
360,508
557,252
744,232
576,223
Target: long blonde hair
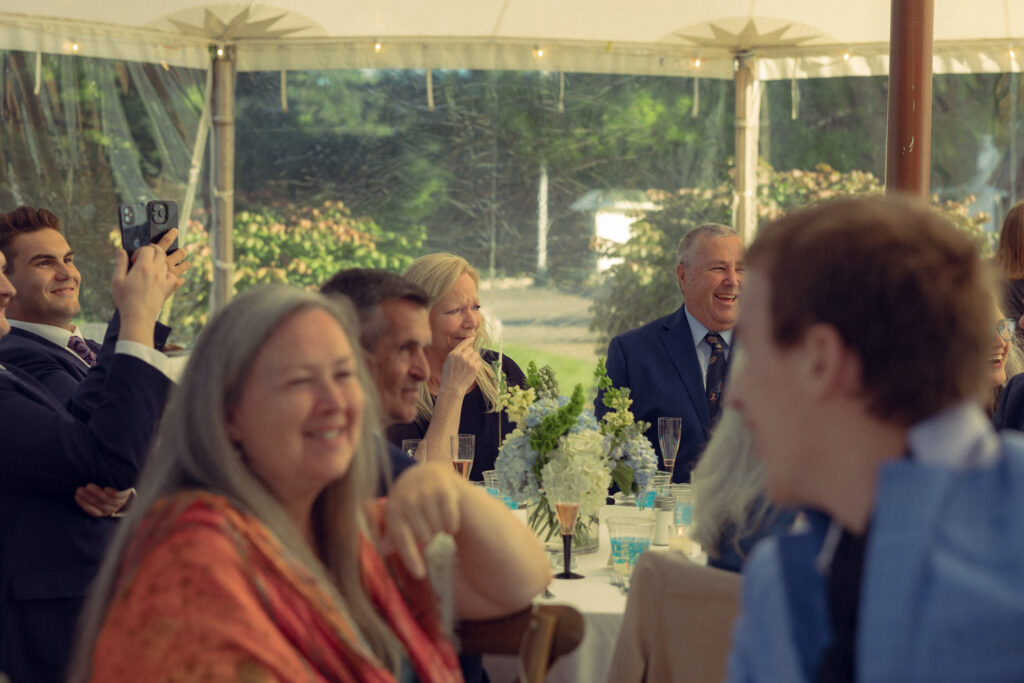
728,486
436,274
1010,251
193,451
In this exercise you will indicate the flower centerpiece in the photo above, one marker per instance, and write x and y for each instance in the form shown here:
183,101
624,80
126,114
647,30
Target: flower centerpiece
559,452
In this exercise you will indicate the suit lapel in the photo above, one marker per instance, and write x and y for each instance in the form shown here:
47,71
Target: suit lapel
63,356
677,341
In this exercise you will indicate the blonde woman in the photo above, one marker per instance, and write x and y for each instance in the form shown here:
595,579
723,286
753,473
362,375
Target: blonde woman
730,513
461,394
255,552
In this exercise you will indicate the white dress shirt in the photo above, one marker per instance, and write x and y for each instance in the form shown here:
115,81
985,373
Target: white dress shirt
61,336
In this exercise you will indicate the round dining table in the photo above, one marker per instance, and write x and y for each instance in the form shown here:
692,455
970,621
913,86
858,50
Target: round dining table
601,603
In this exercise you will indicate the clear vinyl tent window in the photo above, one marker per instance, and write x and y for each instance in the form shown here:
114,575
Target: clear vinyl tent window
568,191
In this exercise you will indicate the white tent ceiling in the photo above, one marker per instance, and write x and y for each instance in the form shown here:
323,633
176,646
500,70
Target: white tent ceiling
790,38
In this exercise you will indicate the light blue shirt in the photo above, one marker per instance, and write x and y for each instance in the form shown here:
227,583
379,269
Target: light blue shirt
697,331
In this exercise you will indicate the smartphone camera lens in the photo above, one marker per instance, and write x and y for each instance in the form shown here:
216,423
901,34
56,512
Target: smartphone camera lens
157,213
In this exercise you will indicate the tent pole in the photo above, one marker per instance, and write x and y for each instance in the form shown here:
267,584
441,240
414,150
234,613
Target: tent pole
909,128
202,135
748,120
224,178
196,167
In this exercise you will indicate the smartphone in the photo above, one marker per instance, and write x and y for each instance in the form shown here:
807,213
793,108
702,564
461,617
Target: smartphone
143,224
163,215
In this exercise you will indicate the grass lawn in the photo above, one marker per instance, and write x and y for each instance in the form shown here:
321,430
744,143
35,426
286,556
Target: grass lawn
569,371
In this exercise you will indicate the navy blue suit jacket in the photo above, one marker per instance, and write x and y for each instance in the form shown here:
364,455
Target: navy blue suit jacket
658,362
49,548
55,367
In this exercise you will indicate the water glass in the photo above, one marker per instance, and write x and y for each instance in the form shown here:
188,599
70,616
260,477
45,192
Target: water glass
494,489
415,449
491,483
684,504
630,537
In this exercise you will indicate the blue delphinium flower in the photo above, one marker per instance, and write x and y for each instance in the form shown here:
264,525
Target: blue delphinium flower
515,467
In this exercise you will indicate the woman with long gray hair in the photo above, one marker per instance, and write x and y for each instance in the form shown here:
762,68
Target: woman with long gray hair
255,550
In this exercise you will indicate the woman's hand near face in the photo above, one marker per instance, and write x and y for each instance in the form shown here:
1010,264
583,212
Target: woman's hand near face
460,367
457,377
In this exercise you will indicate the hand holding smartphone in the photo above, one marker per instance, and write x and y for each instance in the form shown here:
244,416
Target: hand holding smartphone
143,224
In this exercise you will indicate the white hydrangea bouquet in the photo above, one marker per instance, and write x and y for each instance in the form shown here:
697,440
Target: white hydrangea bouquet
559,452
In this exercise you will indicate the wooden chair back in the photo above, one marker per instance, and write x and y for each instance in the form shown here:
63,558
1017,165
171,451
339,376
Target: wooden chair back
539,635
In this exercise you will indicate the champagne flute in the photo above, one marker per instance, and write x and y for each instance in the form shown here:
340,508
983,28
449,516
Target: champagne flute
567,513
669,431
463,448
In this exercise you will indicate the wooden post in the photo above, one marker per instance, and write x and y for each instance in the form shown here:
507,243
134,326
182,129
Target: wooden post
909,129
748,121
223,179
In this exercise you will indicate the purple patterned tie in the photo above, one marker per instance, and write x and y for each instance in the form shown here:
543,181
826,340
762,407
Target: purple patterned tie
716,375
78,345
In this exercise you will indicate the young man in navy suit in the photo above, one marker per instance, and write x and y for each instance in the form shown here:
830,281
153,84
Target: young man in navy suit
666,363
44,341
50,549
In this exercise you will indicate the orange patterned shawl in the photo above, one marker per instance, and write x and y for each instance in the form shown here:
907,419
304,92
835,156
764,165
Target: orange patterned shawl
213,596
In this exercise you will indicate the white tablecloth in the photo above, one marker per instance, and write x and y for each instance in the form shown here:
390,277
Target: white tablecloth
602,606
